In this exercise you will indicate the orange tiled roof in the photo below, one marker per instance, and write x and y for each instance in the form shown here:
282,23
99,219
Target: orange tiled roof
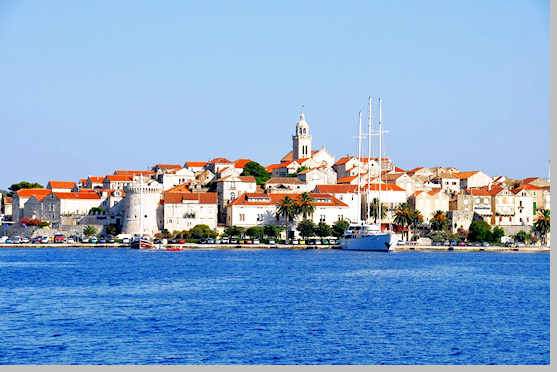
270,168
343,160
464,175
27,193
82,181
337,189
384,187
201,197
240,163
118,178
195,164
397,169
241,178
122,172
95,179
528,180
180,188
347,179
77,195
477,192
287,157
273,199
285,180
61,184
220,161
168,166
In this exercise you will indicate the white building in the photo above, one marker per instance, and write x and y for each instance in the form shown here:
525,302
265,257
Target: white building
318,176
65,208
282,185
184,210
428,202
473,179
229,188
391,197
258,209
142,212
61,186
347,194
175,177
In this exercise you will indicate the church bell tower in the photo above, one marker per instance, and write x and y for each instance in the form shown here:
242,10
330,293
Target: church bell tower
301,141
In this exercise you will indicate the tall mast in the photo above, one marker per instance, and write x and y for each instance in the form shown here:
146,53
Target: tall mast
140,206
380,158
359,169
368,162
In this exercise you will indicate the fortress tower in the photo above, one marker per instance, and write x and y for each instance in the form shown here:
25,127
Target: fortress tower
301,142
148,194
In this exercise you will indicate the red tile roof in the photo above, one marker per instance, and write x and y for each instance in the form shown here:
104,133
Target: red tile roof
27,193
168,166
397,169
241,163
343,160
123,172
273,199
241,178
118,178
477,192
220,161
82,181
201,197
61,184
77,195
384,187
464,175
337,189
270,168
347,179
95,179
180,188
284,180
287,157
195,164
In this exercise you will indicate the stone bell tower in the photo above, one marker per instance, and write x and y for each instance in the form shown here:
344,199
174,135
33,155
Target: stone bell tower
301,141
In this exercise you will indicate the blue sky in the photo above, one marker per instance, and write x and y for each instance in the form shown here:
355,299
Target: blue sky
89,88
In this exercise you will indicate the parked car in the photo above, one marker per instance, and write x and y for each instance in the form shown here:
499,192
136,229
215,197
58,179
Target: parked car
272,241
401,242
509,244
462,244
241,241
156,241
452,243
25,239
126,241
225,240
218,241
210,241
85,239
325,241
436,243
94,240
468,244
3,239
59,238
485,244
70,240
477,244
255,241
36,239
45,239
295,241
111,239
332,241
202,241
16,240
520,244
233,241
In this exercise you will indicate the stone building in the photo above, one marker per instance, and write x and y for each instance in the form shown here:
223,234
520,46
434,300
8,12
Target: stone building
67,208
61,186
184,210
142,211
428,202
21,197
229,188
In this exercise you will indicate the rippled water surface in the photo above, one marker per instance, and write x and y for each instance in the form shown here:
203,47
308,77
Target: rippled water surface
121,306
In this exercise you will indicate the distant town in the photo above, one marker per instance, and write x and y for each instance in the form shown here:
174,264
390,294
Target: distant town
225,196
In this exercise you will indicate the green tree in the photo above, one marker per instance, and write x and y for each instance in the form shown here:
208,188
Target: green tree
543,224
96,210
305,205
89,230
403,217
234,231
523,236
323,230
301,169
288,209
256,170
306,228
255,232
339,227
479,231
24,185
202,231
272,231
416,219
165,233
496,235
439,221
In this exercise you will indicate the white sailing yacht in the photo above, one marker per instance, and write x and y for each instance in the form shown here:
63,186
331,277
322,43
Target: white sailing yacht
364,236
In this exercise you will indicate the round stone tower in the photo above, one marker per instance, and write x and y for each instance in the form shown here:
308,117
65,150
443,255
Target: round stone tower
142,196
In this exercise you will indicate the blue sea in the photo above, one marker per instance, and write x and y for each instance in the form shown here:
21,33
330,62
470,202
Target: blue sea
270,306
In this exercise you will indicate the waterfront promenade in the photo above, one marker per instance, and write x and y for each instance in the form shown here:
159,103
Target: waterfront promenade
531,249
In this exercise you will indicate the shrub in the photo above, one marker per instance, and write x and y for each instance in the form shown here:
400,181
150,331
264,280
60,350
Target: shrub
272,231
480,231
89,230
255,232
202,231
306,228
339,227
322,230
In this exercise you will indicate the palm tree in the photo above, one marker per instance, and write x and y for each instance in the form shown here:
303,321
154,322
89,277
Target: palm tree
403,217
543,224
305,205
374,210
416,219
439,220
288,209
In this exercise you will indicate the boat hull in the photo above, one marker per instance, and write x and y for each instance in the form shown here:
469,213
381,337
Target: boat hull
141,244
375,242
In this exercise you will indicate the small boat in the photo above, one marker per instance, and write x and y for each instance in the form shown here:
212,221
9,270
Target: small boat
174,249
141,243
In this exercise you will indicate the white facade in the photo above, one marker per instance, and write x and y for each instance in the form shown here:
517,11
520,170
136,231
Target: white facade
171,179
144,197
183,211
301,141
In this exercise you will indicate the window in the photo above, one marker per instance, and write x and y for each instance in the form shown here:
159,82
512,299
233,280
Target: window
189,215
322,218
340,217
242,217
260,217
232,196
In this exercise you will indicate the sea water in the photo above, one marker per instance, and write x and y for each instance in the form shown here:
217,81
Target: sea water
271,306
